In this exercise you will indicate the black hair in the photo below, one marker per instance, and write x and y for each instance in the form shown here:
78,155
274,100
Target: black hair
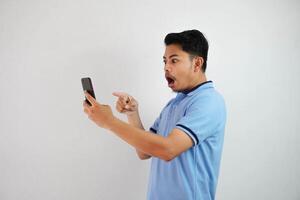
191,41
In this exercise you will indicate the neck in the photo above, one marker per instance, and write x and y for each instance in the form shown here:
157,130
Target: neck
198,81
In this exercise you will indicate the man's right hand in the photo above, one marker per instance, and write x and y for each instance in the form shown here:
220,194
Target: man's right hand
126,104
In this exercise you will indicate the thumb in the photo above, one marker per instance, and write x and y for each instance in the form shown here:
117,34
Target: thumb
90,98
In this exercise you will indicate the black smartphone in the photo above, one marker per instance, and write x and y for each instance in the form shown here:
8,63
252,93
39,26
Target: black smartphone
88,86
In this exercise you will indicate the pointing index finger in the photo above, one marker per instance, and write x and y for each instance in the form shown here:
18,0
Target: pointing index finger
123,96
119,94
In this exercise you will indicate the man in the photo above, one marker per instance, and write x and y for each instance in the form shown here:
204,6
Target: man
185,142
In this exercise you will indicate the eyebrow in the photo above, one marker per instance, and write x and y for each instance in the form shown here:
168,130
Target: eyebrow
173,55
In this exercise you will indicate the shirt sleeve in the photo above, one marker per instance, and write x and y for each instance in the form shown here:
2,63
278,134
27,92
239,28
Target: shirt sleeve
199,122
155,125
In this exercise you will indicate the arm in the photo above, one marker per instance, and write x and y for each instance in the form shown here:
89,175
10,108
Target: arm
134,120
165,148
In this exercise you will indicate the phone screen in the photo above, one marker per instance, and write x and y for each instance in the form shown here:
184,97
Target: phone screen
88,86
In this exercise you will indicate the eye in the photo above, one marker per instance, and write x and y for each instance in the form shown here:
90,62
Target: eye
174,60
164,61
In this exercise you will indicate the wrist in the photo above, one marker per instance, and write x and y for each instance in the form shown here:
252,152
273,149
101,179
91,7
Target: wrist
132,114
112,123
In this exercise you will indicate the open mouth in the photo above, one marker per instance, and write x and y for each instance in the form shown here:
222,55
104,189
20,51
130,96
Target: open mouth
170,80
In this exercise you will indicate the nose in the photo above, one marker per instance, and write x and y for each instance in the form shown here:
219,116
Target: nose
167,67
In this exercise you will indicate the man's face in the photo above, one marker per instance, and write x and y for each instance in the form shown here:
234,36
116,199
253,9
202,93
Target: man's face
178,68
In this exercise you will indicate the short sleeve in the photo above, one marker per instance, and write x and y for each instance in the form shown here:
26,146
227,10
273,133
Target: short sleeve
155,125
199,122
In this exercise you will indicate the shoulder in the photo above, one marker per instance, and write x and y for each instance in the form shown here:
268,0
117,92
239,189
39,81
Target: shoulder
209,95
209,100
164,109
169,102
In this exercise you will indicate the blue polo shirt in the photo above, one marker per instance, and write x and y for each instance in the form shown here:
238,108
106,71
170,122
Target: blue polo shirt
192,175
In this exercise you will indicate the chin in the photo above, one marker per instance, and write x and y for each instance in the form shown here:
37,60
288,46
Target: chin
175,90
179,90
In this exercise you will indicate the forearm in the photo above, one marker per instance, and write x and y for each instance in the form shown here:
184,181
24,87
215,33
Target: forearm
142,140
135,120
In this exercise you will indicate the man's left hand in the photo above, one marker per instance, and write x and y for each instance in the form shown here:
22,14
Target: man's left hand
101,114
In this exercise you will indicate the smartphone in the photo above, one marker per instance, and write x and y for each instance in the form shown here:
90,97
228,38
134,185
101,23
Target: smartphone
88,86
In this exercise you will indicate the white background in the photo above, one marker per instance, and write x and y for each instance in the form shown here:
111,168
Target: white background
50,150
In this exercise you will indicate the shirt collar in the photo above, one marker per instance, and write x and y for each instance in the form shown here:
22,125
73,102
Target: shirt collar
201,86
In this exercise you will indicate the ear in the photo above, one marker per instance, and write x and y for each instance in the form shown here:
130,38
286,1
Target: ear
198,62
